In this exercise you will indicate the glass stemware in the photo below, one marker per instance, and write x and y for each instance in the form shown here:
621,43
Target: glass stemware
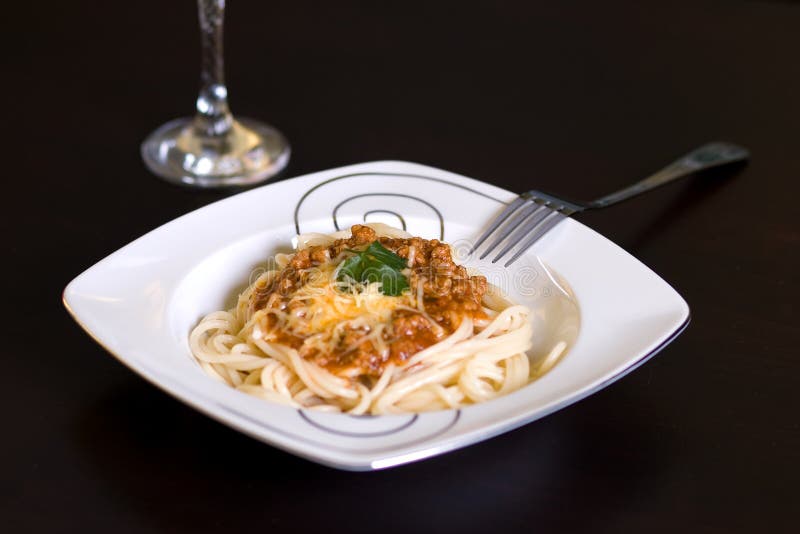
213,149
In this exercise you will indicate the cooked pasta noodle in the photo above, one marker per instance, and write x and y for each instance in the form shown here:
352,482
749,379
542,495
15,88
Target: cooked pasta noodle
356,349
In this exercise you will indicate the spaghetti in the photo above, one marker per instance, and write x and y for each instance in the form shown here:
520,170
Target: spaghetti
369,321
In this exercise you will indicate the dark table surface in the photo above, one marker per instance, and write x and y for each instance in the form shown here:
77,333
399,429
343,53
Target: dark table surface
577,97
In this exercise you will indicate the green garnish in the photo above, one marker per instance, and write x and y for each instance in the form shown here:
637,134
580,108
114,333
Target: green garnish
376,264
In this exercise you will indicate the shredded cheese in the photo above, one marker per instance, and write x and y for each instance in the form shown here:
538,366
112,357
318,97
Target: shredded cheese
318,307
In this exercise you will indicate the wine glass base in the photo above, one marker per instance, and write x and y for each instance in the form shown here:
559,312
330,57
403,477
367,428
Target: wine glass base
251,152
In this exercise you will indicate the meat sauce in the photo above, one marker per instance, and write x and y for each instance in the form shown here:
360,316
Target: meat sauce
449,294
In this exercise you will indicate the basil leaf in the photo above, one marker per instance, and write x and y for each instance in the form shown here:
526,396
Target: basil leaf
393,283
395,286
375,264
351,268
385,256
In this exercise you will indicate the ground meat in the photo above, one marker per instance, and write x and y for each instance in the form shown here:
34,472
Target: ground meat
410,333
352,351
360,237
301,260
449,294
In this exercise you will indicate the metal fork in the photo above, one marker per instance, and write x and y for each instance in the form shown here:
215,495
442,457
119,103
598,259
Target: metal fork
531,215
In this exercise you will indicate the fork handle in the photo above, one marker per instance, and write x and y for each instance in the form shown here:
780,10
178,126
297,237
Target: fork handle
705,157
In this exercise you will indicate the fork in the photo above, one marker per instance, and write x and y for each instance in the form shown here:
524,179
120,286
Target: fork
532,214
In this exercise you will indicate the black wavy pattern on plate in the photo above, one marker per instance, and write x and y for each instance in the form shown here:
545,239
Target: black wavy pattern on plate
344,433
329,446
172,387
389,212
396,174
400,195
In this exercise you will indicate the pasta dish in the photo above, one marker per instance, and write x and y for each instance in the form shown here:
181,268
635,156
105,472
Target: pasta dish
370,320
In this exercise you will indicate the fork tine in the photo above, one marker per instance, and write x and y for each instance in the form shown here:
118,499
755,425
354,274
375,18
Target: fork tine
512,238
540,230
514,221
500,219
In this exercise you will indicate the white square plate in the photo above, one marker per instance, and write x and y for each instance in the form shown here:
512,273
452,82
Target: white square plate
141,302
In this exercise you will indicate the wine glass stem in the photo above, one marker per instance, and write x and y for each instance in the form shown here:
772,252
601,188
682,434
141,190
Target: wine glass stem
213,116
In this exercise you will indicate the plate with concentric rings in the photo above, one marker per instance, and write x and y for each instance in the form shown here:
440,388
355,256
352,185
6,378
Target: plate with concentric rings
141,302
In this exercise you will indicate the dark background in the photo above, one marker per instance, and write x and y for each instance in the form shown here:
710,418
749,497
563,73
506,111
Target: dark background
577,97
